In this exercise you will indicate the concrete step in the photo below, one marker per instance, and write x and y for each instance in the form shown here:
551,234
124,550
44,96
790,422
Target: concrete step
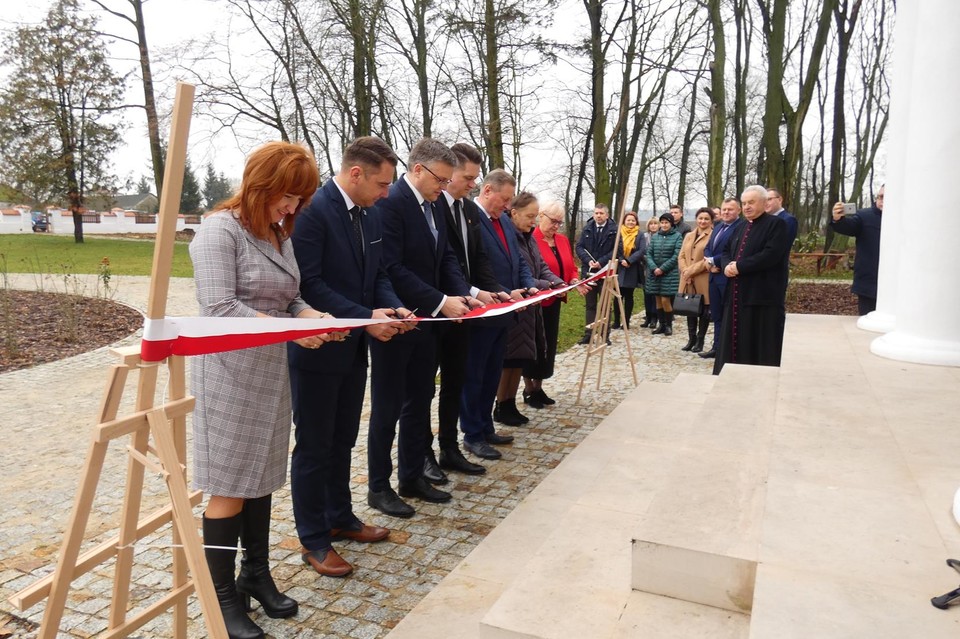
601,472
698,540
862,471
584,562
655,617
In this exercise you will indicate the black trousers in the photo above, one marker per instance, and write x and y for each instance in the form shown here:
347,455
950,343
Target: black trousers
402,389
326,415
866,304
453,348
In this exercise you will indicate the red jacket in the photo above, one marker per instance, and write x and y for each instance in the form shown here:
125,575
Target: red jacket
569,271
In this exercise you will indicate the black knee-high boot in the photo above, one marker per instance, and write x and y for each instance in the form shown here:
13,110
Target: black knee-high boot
691,333
255,580
668,319
702,330
662,319
222,561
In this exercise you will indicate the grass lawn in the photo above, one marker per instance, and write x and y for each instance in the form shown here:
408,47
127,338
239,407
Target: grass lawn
55,254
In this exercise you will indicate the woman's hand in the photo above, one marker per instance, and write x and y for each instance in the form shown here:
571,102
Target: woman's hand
658,272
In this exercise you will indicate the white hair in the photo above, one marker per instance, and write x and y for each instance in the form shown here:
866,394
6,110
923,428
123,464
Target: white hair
754,188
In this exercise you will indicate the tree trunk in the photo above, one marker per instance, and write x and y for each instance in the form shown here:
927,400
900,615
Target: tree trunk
149,101
718,109
495,124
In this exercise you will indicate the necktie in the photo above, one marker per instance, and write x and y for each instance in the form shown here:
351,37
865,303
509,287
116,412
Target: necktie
428,213
503,237
458,217
720,233
357,230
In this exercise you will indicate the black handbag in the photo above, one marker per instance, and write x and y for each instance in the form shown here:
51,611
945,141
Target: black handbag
688,304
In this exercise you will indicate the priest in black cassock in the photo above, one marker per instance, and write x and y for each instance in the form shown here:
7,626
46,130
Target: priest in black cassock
756,261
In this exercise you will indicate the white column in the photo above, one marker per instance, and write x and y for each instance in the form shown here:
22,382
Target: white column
928,303
883,319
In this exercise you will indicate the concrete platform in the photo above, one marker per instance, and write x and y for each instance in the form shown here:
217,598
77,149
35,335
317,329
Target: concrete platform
815,497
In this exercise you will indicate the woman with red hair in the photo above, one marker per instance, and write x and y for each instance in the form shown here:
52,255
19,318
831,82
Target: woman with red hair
244,267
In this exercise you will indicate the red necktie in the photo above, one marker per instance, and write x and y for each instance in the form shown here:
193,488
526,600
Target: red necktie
503,238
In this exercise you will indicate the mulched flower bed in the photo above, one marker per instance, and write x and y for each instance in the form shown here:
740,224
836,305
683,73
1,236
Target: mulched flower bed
43,327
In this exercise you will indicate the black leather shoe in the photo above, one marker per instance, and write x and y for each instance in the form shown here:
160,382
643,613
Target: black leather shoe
585,339
709,354
432,472
483,449
452,459
532,400
389,503
544,399
497,439
421,489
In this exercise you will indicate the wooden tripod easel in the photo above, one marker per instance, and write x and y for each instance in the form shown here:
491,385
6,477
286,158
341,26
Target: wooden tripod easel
166,424
600,328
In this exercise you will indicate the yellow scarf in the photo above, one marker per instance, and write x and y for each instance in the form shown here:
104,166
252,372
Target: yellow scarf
629,238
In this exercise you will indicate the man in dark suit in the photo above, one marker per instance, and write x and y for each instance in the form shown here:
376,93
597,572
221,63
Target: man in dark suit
722,233
488,338
425,275
338,248
775,207
865,226
678,222
463,230
595,248
756,261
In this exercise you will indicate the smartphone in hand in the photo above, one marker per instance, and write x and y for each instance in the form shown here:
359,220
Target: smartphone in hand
849,208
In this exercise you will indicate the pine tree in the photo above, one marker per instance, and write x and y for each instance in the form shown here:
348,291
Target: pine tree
190,201
57,128
215,187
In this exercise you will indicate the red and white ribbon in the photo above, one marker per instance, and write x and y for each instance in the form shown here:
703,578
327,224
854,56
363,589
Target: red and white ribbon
203,335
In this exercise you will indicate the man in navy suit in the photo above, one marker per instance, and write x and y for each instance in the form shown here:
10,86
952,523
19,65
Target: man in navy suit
463,231
595,248
338,246
488,338
425,275
730,220
775,206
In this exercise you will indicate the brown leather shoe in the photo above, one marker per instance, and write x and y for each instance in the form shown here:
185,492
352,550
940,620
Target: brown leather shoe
366,534
326,562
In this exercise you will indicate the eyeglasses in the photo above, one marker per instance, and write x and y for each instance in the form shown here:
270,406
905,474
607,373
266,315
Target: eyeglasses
439,180
554,221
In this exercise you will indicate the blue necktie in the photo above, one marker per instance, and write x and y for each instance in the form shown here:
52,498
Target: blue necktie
428,212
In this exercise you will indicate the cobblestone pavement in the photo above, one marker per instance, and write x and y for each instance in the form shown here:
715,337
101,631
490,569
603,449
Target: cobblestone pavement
46,416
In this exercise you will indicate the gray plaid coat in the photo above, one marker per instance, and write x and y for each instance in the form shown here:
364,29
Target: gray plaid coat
241,426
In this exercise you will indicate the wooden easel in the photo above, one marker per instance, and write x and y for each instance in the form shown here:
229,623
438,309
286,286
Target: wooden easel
600,328
166,424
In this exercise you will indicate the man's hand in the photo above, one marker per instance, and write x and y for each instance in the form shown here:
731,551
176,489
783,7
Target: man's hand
383,332
594,265
454,307
405,327
837,211
473,302
731,270
486,297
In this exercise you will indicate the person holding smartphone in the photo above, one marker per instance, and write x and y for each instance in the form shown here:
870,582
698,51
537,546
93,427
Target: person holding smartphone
865,226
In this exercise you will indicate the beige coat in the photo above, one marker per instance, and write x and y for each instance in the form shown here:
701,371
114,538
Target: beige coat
691,257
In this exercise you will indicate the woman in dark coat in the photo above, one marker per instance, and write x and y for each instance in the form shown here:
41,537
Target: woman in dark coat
663,275
633,245
649,300
526,341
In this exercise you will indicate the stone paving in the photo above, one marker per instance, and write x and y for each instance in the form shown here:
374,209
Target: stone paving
46,415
